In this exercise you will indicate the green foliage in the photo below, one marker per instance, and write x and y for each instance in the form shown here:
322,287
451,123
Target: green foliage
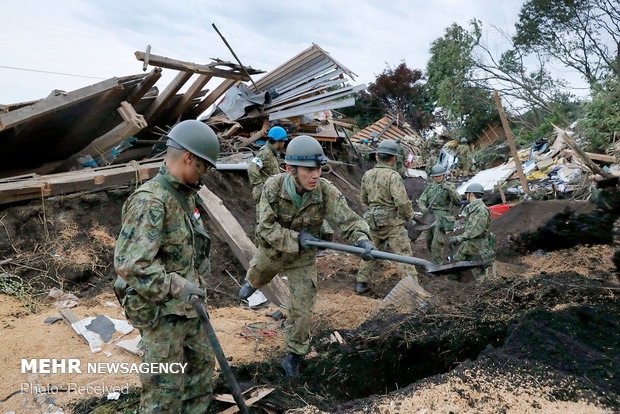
468,107
602,115
366,111
537,123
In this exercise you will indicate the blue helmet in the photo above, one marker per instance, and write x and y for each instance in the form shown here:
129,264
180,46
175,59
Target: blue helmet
277,133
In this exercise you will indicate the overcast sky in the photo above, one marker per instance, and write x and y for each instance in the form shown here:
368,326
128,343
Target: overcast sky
99,38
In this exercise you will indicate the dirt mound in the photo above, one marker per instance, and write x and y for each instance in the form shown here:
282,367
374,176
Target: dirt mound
511,327
529,216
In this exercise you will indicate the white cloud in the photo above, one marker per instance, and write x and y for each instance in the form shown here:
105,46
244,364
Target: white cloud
98,38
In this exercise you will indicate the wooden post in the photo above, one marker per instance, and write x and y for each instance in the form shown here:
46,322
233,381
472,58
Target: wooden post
501,193
511,142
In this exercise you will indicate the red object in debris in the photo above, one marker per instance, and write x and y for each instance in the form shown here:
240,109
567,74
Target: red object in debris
498,209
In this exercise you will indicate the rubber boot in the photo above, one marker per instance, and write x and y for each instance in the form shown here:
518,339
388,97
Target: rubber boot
290,363
361,288
246,290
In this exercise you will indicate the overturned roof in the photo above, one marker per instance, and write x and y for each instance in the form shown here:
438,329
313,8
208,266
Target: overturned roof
388,127
312,81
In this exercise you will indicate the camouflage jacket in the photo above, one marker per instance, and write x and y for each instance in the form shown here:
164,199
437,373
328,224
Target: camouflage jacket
263,166
384,193
157,239
444,195
477,221
463,152
280,221
400,159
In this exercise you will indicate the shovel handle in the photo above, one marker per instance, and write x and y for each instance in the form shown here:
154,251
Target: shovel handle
377,254
219,355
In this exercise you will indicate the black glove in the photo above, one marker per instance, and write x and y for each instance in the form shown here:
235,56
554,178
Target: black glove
367,246
305,237
184,289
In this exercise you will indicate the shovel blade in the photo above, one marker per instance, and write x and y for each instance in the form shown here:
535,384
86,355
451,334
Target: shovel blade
455,267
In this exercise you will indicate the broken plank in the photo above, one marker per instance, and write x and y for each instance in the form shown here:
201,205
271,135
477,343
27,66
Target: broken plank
213,96
164,98
259,395
192,92
191,67
75,181
240,243
144,86
54,103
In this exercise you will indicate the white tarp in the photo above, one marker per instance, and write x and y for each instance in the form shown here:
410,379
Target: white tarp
491,177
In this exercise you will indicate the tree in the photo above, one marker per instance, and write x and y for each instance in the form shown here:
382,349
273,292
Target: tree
601,123
582,34
400,90
468,107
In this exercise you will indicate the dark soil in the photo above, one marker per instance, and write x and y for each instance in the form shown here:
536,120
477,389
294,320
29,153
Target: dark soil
528,216
511,324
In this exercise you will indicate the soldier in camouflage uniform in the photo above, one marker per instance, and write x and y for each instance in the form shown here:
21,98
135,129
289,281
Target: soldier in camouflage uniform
161,258
400,159
476,241
389,208
463,152
266,163
293,206
437,198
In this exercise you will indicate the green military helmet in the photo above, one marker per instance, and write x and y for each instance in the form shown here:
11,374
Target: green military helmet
438,170
196,137
475,188
305,151
388,146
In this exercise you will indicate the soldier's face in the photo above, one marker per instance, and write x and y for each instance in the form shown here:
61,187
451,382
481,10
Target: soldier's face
438,178
308,177
195,169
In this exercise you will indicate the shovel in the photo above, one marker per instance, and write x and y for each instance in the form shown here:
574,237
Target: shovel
430,267
219,355
416,226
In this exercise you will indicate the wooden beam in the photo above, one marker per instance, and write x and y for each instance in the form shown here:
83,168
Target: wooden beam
163,99
191,93
240,243
132,124
144,86
212,97
511,142
191,67
609,159
54,103
75,181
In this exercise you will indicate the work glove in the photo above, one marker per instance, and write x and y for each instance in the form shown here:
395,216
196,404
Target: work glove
423,210
367,246
454,240
181,288
304,237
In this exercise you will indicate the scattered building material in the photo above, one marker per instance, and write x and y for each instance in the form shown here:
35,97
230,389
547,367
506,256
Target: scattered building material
131,345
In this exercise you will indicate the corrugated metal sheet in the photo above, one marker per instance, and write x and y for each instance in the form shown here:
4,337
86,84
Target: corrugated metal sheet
312,81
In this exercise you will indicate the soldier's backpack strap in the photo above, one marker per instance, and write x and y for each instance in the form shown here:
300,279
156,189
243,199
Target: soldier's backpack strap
182,202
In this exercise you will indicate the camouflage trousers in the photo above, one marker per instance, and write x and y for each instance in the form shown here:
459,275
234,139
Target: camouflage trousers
475,250
395,237
302,282
177,339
